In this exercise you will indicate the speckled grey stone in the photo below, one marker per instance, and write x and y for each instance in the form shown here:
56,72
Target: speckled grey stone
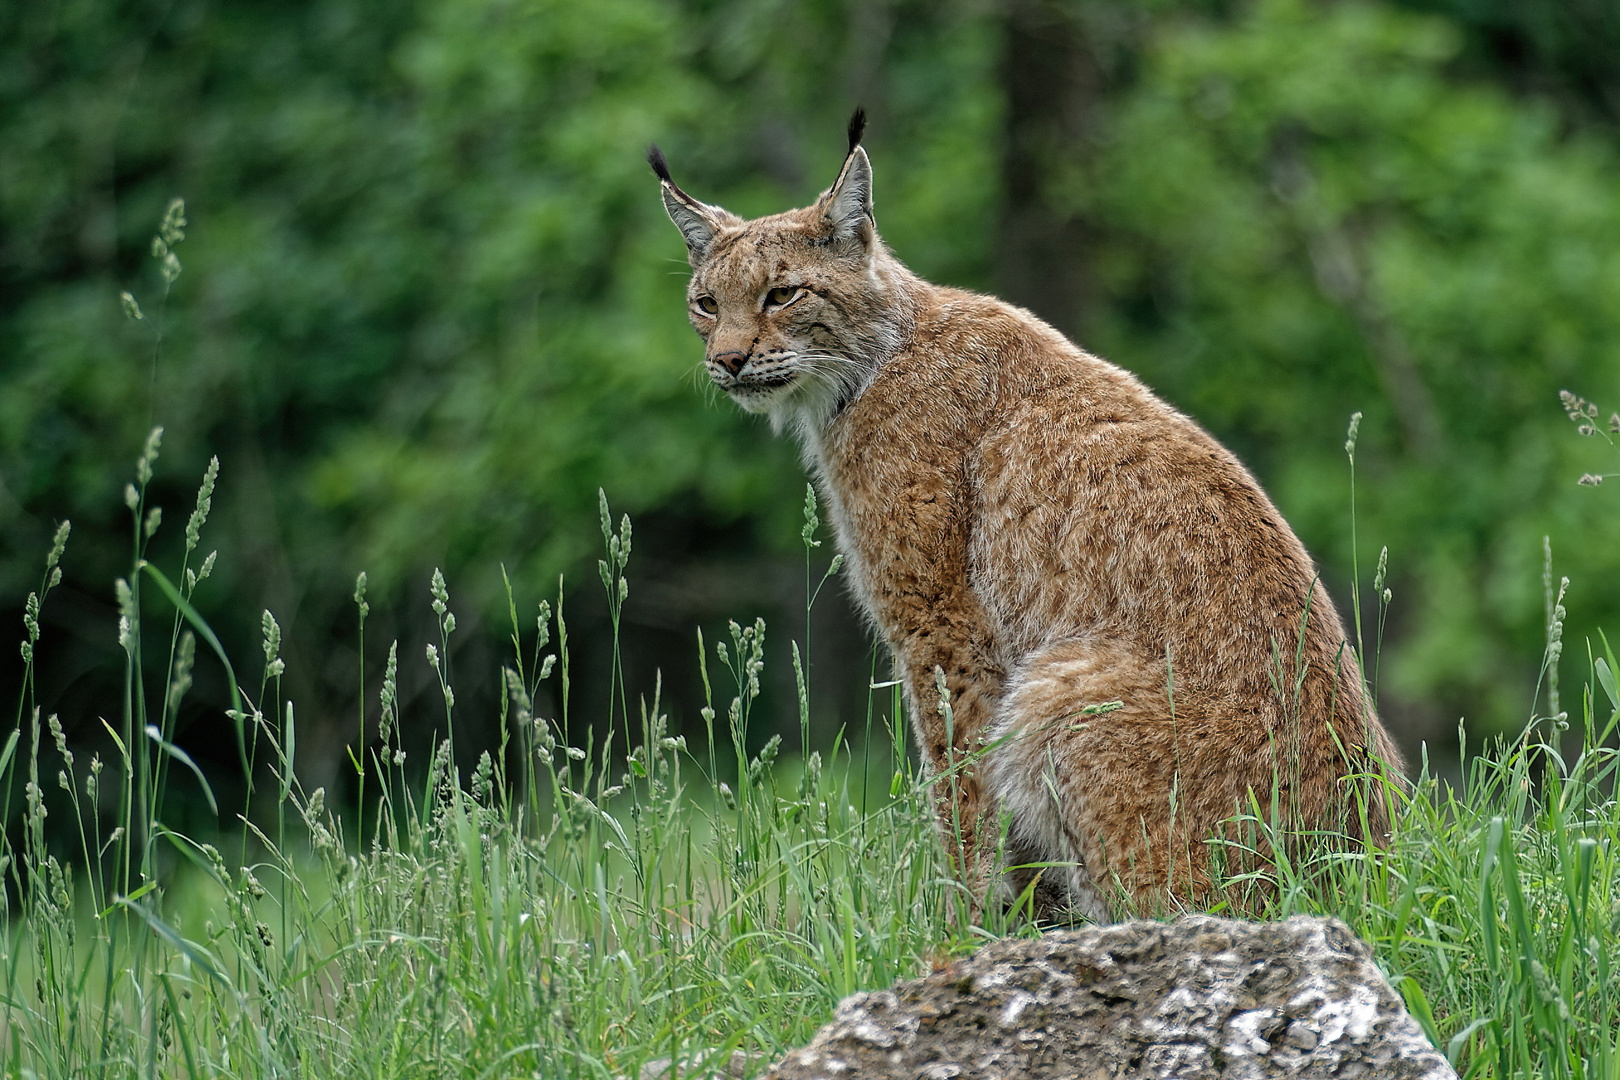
1195,999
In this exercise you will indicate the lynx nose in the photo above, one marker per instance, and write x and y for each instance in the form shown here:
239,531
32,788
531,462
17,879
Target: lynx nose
732,361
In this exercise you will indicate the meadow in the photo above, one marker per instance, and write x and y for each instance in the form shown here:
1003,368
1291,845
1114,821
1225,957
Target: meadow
581,911
433,305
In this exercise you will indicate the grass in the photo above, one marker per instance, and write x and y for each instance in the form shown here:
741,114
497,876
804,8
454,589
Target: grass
581,911
541,915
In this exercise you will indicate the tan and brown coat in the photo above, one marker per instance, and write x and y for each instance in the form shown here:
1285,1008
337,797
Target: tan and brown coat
1132,643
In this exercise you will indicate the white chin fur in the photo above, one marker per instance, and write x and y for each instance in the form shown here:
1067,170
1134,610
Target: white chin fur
806,404
768,401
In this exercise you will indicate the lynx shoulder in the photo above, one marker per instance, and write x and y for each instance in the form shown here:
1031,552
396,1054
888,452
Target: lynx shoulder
1132,644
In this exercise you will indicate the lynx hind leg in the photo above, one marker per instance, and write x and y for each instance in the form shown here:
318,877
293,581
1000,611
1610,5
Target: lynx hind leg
1092,789
1037,885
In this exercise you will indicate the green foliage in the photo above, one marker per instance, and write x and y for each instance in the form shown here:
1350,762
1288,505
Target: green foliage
1308,218
436,301
430,304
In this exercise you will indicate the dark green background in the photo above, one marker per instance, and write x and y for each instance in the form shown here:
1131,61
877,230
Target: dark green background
430,303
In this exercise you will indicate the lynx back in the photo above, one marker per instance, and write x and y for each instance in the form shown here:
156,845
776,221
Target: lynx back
1111,641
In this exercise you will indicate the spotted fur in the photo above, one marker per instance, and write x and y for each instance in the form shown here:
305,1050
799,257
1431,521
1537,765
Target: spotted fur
1133,645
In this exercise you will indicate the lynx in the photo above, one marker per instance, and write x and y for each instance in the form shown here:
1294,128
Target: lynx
1111,642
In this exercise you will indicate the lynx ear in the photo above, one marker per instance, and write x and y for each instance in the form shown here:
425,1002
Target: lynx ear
697,221
849,201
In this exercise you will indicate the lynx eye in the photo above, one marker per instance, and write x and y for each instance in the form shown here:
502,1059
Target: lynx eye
781,296
707,305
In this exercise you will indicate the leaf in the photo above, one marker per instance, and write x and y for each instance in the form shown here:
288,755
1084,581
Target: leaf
136,895
1417,1003
123,751
193,952
185,759
204,631
181,1026
192,851
1459,1041
11,748
1605,678
290,731
1487,895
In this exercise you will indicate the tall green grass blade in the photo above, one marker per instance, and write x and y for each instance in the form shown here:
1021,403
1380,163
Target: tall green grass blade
1605,678
199,624
181,1026
194,953
183,758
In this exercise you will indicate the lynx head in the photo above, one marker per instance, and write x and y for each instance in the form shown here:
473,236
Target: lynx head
796,310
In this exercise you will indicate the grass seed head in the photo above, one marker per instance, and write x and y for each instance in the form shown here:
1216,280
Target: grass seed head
148,458
273,664
205,503
173,226
58,545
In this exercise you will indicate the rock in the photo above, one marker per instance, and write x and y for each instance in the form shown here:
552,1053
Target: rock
1196,999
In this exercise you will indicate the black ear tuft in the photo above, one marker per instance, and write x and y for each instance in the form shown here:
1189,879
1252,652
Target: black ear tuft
857,128
655,158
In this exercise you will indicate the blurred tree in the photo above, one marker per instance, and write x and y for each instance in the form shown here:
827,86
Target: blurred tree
1062,66
430,302
1563,51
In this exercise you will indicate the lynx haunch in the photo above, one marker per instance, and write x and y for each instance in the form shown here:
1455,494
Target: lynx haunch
1109,637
